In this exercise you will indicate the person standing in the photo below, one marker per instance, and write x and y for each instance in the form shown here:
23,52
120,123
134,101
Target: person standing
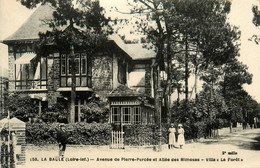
172,139
181,140
62,139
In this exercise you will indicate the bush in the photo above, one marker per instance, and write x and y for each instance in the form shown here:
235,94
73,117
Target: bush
58,112
95,111
20,107
201,129
138,135
78,133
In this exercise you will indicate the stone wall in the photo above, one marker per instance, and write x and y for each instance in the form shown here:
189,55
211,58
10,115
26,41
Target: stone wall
148,79
102,73
11,71
53,78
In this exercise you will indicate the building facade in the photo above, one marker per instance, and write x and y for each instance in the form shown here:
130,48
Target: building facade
108,73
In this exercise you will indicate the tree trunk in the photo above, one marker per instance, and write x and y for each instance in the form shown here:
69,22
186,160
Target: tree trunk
73,85
186,70
155,79
196,76
167,98
196,84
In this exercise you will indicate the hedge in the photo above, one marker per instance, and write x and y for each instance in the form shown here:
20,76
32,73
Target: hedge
100,133
78,133
138,135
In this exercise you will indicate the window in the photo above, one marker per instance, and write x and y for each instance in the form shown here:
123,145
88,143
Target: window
77,64
69,65
79,104
126,115
115,115
81,66
136,115
31,75
63,64
121,72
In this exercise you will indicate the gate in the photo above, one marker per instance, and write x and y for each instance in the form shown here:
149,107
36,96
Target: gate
117,140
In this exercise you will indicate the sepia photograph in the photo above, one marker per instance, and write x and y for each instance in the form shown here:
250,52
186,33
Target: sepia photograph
130,83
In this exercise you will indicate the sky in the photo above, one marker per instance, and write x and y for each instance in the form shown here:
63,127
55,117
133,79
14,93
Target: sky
13,15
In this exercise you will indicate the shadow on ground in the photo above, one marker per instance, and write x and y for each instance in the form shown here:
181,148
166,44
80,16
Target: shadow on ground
246,140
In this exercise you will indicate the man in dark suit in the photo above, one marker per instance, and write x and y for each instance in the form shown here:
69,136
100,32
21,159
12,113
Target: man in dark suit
62,139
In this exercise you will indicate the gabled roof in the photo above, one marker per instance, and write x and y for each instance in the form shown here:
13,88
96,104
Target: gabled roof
123,91
139,52
35,24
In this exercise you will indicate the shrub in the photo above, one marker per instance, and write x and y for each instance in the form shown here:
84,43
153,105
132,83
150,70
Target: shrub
58,112
201,129
20,107
78,133
138,135
95,111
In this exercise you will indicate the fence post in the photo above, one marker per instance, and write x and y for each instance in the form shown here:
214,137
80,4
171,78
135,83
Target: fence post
117,139
14,147
112,139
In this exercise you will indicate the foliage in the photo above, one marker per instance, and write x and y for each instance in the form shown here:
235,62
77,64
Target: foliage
21,107
201,115
78,133
235,75
76,24
58,112
138,135
194,30
190,37
256,21
81,23
95,111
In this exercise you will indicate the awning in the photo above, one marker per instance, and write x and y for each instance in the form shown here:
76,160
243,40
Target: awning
41,97
25,58
37,72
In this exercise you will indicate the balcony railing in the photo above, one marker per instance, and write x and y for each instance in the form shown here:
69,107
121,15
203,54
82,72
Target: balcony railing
30,84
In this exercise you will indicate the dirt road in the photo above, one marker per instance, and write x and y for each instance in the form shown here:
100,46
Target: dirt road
236,150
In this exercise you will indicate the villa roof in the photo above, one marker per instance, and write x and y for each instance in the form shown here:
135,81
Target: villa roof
123,91
35,24
139,52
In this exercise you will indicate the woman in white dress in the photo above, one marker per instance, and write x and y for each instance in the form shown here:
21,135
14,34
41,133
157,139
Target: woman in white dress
172,138
181,140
